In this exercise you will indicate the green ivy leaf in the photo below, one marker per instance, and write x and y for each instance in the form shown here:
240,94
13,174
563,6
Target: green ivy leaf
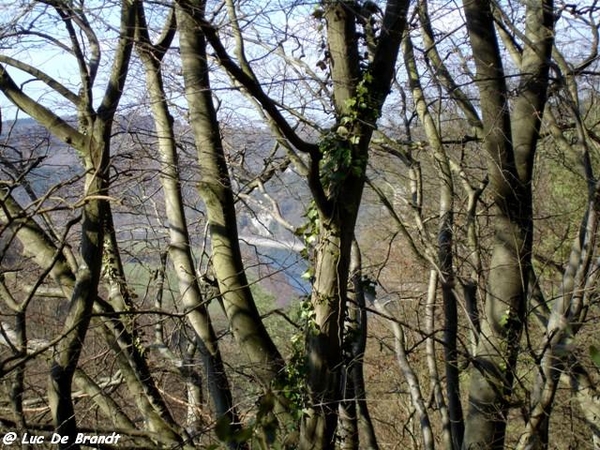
503,322
342,131
595,355
223,429
308,274
266,404
318,13
243,435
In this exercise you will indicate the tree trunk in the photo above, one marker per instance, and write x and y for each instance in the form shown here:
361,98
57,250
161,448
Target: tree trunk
215,190
356,336
179,248
445,251
414,387
325,336
358,99
511,148
435,383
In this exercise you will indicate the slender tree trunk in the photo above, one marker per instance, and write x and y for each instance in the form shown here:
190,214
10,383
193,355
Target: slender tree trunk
511,148
357,336
84,293
353,352
180,249
414,387
445,251
348,423
435,383
215,190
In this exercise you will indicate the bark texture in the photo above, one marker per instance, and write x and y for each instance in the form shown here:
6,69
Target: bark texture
215,190
510,139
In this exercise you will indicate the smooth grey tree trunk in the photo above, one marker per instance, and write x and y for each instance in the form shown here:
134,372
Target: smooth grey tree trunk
445,251
510,139
180,247
215,190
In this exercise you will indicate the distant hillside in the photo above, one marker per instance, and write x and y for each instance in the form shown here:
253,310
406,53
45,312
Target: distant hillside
42,166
